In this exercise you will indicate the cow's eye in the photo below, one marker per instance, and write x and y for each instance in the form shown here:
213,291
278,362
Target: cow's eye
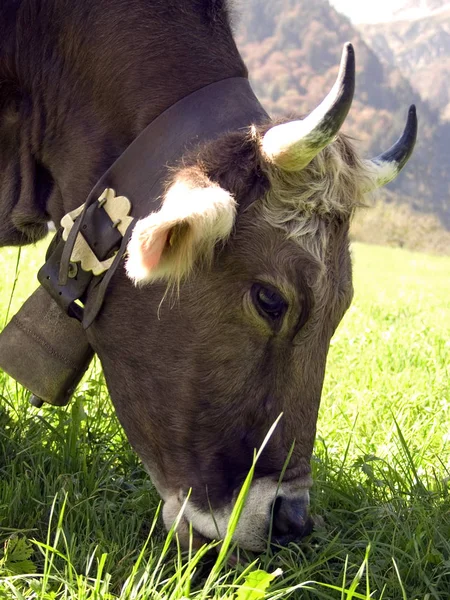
268,302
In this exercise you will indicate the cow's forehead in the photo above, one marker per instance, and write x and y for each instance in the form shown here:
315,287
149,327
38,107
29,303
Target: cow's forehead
307,206
314,204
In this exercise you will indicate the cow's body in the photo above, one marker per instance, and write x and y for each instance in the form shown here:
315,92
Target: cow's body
80,80
197,379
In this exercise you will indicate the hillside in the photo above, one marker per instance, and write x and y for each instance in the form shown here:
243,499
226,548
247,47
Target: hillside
292,49
420,48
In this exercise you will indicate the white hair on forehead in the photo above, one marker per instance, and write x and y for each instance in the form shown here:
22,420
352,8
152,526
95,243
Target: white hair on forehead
303,203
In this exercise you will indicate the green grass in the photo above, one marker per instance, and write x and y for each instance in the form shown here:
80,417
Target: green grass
78,516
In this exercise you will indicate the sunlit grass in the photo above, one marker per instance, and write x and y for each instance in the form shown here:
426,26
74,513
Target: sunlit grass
78,513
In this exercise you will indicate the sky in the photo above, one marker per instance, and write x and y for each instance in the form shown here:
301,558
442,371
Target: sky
367,11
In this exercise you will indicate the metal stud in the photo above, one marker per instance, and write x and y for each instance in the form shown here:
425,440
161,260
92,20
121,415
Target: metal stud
72,270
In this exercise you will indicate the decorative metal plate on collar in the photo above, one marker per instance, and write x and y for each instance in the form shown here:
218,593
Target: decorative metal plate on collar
87,250
118,209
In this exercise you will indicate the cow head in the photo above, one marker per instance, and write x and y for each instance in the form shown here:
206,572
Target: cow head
223,316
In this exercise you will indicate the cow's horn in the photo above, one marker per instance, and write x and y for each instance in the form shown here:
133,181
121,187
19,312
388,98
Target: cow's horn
385,167
291,146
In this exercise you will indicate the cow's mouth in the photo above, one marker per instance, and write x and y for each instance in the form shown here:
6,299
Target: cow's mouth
188,536
280,513
198,540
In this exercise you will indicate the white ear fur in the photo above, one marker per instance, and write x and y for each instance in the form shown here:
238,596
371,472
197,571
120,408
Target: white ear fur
166,244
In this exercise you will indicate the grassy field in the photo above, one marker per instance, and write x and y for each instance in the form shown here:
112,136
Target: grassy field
78,516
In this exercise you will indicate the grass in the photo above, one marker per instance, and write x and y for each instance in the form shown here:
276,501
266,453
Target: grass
79,517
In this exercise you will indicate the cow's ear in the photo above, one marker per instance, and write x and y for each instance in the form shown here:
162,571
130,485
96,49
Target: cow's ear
24,184
166,245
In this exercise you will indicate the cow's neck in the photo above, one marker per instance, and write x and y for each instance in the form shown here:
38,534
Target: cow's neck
112,74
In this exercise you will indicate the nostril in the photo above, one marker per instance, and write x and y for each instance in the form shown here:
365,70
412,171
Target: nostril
279,525
290,519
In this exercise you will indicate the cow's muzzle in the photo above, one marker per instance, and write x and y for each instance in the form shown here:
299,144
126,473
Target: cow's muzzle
291,521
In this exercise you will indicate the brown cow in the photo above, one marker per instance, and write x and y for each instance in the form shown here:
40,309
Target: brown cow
247,257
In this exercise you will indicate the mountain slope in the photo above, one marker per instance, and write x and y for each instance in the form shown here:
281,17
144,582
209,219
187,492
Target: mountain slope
421,49
292,49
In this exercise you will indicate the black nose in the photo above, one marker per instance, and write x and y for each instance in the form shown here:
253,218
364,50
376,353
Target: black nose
291,521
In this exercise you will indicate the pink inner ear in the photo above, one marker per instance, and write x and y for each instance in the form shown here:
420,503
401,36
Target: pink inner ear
151,252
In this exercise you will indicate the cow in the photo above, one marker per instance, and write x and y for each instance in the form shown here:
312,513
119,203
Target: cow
220,316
